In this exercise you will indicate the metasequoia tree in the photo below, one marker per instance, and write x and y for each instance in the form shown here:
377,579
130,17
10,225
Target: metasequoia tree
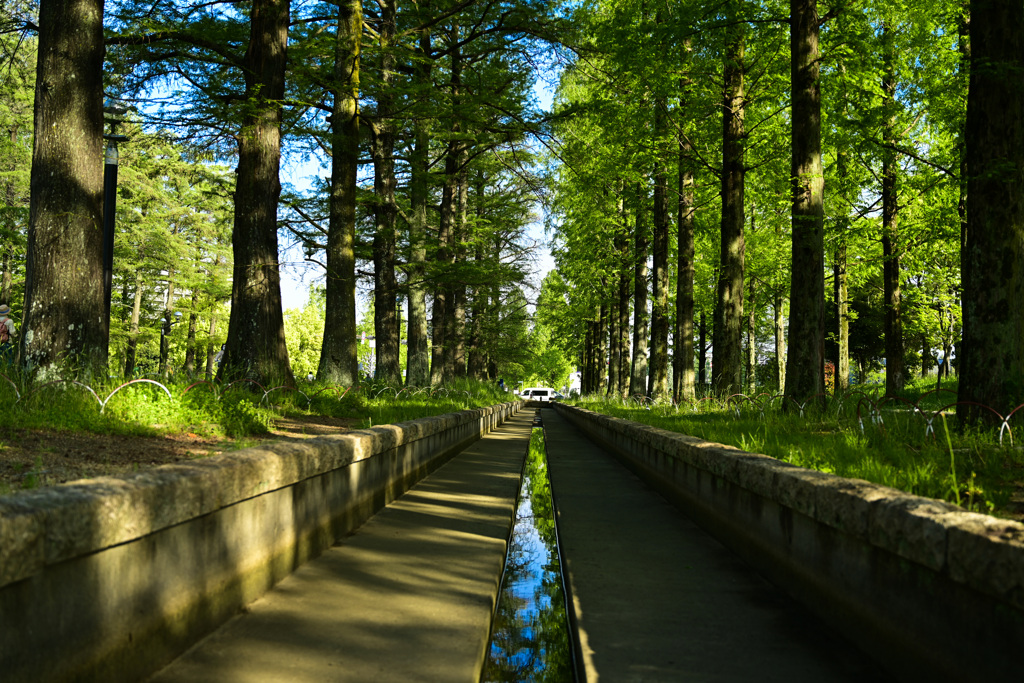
895,374
338,353
242,93
992,353
385,286
728,323
255,345
641,245
806,356
64,324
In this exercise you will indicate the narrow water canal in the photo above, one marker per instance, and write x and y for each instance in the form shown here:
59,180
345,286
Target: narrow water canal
530,634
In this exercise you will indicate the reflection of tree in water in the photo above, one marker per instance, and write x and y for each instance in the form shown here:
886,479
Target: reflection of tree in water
529,639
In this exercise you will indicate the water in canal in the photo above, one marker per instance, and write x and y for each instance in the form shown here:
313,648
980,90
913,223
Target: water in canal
530,634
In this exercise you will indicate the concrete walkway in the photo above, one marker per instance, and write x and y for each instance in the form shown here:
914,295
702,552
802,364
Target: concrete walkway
408,597
657,599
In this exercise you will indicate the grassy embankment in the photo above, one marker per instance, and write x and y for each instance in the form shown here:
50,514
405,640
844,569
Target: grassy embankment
235,415
890,445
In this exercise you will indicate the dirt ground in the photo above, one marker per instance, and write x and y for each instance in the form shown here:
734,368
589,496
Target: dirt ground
32,458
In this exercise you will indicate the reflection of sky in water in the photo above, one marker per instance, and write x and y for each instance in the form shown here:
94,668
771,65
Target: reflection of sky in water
529,639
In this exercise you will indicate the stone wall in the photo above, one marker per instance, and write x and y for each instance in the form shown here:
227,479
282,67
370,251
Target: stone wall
929,590
109,579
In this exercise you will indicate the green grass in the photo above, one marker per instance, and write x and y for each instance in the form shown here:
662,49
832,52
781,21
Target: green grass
892,448
237,410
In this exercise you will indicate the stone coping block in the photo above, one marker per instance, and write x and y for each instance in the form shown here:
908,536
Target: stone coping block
927,589
108,580
980,551
52,525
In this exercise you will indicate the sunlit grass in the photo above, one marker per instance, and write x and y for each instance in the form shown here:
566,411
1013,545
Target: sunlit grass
892,445
215,410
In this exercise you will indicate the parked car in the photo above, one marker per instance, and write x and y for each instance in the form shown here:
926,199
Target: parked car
539,394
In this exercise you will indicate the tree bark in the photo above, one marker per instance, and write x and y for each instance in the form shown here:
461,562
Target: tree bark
728,325
64,327
702,361
133,328
638,373
256,346
385,290
840,289
805,370
751,360
6,277
418,354
684,377
459,293
991,355
964,47
895,372
780,342
614,353
659,312
441,354
211,349
339,360
165,330
189,367
476,358
601,349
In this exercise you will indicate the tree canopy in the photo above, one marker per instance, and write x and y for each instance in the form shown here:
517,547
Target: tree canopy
739,195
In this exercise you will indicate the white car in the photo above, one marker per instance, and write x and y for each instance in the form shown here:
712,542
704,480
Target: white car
539,394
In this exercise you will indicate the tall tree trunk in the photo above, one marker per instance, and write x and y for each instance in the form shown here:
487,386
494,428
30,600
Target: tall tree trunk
385,286
623,278
702,361
841,294
459,294
684,376
189,367
211,348
133,328
6,277
256,346
638,372
841,291
442,355
805,372
727,337
339,360
751,361
418,355
659,312
780,341
895,372
587,375
6,248
601,349
165,330
64,325
476,359
992,352
614,352
964,48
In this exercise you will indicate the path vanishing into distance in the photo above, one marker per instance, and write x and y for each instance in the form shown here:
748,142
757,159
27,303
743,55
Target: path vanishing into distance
410,595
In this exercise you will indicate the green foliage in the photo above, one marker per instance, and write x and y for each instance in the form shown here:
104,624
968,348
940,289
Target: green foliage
304,333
